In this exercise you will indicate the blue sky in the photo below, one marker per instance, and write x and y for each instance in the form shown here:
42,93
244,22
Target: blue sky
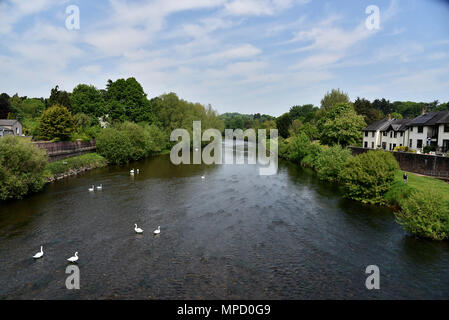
238,55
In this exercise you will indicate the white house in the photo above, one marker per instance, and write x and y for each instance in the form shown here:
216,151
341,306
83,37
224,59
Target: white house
10,127
431,128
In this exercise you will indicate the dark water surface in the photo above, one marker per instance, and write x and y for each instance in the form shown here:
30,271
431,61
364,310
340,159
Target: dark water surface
233,235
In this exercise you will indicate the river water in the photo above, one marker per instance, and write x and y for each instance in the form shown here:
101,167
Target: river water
233,235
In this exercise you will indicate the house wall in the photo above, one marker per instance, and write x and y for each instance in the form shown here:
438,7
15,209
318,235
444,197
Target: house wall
370,139
398,141
415,136
442,135
17,128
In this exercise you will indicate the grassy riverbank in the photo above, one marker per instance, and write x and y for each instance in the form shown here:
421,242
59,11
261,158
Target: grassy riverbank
74,165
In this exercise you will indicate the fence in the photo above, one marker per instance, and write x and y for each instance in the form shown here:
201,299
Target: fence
65,149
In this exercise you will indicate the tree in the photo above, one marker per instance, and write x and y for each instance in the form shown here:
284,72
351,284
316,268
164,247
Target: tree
305,113
283,124
58,97
56,123
5,106
364,108
383,105
341,125
114,145
396,115
333,98
367,177
22,167
87,99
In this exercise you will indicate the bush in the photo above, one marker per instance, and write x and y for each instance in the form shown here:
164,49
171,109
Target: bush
22,168
114,145
367,177
401,148
56,123
298,148
157,139
425,215
310,160
139,138
331,161
427,149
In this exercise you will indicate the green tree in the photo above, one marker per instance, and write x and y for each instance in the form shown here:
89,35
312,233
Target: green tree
341,125
56,123
333,98
425,215
283,123
298,147
5,106
367,177
331,161
22,167
88,99
396,115
58,97
114,145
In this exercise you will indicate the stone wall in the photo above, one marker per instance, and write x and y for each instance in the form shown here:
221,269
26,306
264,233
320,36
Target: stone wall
436,166
65,149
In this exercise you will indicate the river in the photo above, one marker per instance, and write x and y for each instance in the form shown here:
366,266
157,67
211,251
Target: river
233,235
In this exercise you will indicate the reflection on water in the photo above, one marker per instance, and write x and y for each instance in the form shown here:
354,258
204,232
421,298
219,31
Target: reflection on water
232,235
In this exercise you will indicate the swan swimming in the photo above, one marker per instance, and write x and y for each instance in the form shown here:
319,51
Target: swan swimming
137,230
158,230
91,189
100,187
39,254
203,177
131,171
74,258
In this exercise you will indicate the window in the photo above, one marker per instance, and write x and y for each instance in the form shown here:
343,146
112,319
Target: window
446,128
366,133
411,144
373,134
391,134
395,134
411,129
390,146
419,143
394,145
366,144
372,145
17,131
420,129
400,144
445,145
402,133
384,145
384,133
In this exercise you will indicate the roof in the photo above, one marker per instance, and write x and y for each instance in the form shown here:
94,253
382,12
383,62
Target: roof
7,122
379,125
398,125
444,117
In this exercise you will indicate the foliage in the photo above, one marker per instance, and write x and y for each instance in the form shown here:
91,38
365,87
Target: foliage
310,160
114,145
5,106
305,113
333,98
341,125
88,100
363,107
56,123
428,149
367,177
401,148
22,167
90,160
331,161
235,120
298,148
425,215
58,97
283,124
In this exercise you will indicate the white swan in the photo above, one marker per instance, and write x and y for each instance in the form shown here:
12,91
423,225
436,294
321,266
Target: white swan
131,171
203,177
39,254
137,170
91,189
196,149
74,258
158,230
100,187
137,230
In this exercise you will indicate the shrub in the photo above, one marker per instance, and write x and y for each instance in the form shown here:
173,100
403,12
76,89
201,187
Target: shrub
22,167
114,145
401,148
331,161
425,215
310,160
157,139
56,123
427,149
139,138
299,147
367,177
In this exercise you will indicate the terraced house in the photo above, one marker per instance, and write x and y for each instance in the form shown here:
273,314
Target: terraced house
428,129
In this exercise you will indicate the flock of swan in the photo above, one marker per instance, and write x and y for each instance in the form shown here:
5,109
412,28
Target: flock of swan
138,230
74,259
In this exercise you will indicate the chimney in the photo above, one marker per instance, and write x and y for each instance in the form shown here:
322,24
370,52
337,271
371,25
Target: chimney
389,116
423,111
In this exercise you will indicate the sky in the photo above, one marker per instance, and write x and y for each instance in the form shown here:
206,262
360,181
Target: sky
248,56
